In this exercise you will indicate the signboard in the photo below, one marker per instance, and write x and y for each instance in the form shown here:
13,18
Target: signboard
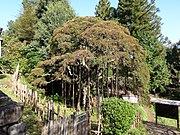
167,108
168,111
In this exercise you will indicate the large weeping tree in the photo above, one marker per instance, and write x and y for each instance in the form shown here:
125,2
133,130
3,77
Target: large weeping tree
88,41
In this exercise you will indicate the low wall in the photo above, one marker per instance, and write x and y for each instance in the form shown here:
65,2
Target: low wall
10,114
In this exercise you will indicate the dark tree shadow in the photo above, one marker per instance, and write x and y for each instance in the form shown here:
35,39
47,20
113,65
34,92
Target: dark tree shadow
159,129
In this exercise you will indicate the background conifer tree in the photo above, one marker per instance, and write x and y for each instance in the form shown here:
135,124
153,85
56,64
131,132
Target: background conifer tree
103,9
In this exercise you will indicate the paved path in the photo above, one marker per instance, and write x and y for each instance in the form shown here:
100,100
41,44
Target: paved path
158,129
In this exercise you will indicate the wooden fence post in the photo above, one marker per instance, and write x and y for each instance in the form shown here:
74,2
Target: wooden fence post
58,111
107,80
51,117
35,101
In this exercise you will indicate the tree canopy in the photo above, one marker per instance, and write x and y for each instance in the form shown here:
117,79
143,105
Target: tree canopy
34,31
91,39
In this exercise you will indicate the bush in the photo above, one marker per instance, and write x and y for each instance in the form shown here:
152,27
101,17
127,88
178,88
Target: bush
118,116
141,130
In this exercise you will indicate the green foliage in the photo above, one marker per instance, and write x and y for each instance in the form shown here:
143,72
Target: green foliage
139,15
34,33
5,65
140,130
140,109
173,59
17,52
118,116
33,124
24,26
56,15
56,98
156,60
103,9
41,6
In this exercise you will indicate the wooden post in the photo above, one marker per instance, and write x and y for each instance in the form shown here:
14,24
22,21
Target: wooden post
51,110
79,88
62,88
98,98
89,101
58,110
35,100
102,82
177,117
107,81
44,112
73,88
39,109
156,112
25,94
65,98
112,86
116,92
48,110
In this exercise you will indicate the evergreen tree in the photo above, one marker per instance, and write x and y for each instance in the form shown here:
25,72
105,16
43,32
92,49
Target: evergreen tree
58,12
156,60
24,26
173,59
103,9
139,15
41,6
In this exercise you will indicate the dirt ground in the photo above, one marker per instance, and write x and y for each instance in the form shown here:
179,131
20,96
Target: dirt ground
158,129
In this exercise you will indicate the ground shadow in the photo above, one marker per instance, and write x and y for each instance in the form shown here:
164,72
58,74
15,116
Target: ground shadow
2,76
158,129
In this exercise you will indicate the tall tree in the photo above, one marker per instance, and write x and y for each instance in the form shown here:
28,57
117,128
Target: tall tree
41,6
156,60
58,12
139,15
173,59
24,26
103,9
90,38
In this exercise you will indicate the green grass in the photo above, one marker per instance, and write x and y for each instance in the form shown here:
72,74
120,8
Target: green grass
8,92
140,109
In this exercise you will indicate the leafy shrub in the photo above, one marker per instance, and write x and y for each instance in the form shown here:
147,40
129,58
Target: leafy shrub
118,116
56,97
140,130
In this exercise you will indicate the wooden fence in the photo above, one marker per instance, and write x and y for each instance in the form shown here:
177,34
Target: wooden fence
55,123
44,108
72,125
82,85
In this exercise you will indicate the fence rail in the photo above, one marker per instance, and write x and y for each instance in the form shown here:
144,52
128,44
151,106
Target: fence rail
72,125
54,122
